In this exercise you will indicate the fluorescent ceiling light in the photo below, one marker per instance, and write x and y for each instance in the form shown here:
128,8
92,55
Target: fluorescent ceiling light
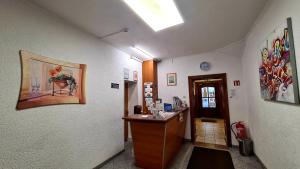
136,58
142,52
158,14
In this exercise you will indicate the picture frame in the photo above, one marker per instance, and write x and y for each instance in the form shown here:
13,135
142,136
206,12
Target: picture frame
277,67
171,79
47,81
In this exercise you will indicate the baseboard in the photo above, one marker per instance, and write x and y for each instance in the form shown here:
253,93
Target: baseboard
108,160
235,146
263,165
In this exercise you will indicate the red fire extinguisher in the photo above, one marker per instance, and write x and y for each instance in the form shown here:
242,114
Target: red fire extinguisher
239,130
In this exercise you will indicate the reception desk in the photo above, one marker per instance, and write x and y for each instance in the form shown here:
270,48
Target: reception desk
157,141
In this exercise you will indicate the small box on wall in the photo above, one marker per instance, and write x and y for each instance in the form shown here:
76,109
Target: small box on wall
135,76
114,85
236,83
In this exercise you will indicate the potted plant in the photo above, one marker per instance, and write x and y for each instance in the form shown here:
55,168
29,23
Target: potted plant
61,80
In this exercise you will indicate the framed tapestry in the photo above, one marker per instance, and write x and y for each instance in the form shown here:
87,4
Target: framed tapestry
47,81
277,70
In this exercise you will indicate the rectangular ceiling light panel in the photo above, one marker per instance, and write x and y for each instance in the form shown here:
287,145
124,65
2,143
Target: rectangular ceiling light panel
158,14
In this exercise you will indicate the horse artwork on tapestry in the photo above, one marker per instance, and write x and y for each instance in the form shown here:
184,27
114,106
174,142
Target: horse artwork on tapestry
47,81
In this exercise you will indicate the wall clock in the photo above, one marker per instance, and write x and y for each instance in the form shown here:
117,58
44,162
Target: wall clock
205,66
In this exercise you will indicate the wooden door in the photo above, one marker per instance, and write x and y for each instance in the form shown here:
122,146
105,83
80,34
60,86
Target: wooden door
194,95
208,101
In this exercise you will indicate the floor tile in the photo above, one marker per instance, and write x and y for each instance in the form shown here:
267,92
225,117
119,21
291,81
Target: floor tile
211,131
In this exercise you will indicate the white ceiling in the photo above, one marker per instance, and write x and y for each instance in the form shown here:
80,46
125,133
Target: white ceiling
208,24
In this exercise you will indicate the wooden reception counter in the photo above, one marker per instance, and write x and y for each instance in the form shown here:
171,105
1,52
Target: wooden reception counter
157,141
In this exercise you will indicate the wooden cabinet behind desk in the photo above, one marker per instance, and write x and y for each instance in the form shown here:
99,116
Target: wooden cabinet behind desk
149,75
156,142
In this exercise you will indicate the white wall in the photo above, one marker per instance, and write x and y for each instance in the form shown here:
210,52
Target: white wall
226,60
275,127
62,136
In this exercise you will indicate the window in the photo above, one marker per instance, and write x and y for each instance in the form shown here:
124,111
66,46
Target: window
208,97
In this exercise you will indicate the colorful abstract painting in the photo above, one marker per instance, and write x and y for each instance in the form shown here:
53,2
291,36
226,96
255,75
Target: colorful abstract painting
278,74
47,81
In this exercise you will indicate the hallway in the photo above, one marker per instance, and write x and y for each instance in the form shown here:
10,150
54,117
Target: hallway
81,78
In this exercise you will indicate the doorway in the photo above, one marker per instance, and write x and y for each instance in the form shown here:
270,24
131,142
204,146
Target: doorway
130,100
126,111
210,121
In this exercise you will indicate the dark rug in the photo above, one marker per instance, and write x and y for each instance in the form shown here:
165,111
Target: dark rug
204,158
209,120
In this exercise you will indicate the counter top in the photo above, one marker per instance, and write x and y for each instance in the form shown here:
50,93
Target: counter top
150,118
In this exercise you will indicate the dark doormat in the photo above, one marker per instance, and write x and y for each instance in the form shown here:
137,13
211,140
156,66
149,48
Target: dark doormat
209,120
204,158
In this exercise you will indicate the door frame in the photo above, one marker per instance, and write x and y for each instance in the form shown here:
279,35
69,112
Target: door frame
193,110
126,111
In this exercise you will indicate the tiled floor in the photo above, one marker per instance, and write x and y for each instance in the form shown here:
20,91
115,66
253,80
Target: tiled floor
126,159
210,131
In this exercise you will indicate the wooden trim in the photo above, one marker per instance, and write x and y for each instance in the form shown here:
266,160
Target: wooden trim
82,99
126,111
192,107
150,119
191,80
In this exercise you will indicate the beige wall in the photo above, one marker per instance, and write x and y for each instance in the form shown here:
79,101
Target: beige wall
63,136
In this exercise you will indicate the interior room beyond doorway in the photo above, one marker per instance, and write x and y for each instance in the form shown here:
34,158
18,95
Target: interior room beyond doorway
210,132
209,110
130,100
